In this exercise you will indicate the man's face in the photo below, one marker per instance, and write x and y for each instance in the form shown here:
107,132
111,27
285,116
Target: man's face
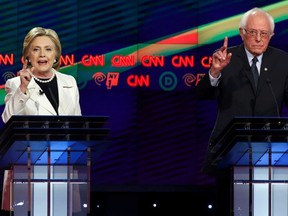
257,34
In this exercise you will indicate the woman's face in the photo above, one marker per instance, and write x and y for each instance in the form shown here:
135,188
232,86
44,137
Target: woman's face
42,54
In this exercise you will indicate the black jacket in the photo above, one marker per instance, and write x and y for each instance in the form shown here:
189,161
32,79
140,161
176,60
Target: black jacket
236,93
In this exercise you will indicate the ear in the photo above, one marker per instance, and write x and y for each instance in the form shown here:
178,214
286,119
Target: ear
241,33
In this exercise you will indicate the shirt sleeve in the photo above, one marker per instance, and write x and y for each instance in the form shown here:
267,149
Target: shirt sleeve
214,81
15,100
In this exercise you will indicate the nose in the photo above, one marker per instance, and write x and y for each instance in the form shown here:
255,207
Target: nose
42,53
258,37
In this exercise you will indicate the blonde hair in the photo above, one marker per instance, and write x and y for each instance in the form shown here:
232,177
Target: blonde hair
39,31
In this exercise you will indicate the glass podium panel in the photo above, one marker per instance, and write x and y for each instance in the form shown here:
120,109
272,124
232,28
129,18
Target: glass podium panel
263,191
62,191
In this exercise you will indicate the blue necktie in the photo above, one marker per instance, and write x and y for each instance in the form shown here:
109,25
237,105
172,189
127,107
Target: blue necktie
255,70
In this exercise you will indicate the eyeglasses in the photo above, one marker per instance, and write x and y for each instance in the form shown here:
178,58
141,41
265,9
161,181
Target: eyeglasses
254,33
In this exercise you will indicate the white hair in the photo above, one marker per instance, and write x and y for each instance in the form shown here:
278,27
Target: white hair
243,21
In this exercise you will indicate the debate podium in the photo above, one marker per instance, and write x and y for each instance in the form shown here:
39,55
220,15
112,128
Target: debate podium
46,163
256,149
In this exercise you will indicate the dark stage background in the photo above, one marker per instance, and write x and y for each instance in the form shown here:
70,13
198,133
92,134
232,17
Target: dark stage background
138,62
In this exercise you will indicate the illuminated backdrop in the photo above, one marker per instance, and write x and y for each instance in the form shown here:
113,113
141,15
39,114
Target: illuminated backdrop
138,62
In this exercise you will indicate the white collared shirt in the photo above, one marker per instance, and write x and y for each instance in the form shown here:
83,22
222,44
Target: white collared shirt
250,57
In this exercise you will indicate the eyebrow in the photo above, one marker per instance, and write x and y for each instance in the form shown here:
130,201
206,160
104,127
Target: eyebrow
259,30
47,46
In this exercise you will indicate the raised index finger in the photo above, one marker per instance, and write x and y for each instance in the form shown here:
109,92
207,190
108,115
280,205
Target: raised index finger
225,44
25,65
223,49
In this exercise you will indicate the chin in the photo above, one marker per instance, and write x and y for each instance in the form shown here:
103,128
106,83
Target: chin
43,70
257,52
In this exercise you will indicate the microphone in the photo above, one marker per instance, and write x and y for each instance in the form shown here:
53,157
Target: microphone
274,97
41,92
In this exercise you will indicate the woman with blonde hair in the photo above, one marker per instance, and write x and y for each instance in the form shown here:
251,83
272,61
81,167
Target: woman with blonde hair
40,89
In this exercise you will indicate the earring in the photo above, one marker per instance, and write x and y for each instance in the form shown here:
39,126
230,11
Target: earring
55,60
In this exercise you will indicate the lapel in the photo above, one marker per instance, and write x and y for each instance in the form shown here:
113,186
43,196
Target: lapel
247,69
264,70
64,98
34,91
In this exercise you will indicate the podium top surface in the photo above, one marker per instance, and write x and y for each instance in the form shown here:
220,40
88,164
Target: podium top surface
58,133
56,121
264,138
54,128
